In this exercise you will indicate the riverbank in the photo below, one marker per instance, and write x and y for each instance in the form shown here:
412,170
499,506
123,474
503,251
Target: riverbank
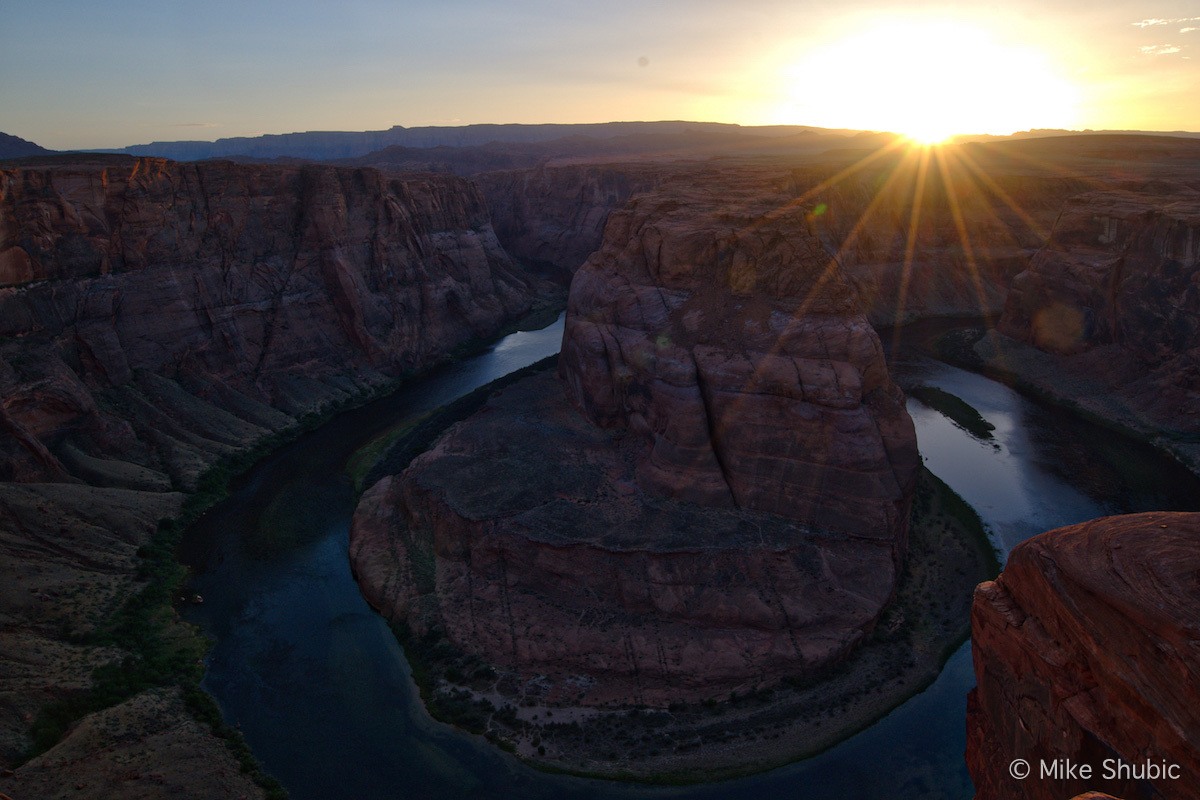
1043,376
294,623
774,725
949,554
152,660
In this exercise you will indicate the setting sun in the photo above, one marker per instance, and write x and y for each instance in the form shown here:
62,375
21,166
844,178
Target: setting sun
928,80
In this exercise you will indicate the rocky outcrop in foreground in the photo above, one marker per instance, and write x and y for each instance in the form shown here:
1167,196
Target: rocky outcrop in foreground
156,318
723,501
1085,649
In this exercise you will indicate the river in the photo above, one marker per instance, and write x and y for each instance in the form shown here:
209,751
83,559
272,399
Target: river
319,687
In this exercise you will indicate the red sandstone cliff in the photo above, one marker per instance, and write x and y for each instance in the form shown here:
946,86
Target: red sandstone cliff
1115,297
247,290
916,235
1086,648
712,322
727,503
155,317
552,218
919,234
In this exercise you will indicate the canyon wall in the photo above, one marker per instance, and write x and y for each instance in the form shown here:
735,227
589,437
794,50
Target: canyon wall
914,235
920,235
1085,648
158,317
711,320
722,502
552,218
239,291
1109,312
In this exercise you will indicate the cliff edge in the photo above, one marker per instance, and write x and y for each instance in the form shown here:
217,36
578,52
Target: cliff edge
1085,650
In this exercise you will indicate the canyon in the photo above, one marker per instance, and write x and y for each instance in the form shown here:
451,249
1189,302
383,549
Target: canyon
158,320
736,464
721,382
675,262
1108,315
709,499
156,316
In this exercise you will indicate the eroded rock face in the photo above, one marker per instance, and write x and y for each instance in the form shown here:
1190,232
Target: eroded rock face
919,236
721,331
552,218
255,289
1086,648
722,502
523,537
915,237
1115,296
148,746
156,317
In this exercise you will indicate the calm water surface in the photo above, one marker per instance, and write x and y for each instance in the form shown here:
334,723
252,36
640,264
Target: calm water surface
318,685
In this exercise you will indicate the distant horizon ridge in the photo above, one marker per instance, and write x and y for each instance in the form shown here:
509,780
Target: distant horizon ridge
326,145
631,122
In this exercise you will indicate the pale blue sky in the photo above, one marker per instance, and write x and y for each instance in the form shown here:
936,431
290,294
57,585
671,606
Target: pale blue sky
76,75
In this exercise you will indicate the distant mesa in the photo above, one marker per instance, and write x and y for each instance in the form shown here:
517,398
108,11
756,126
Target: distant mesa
325,145
16,147
488,146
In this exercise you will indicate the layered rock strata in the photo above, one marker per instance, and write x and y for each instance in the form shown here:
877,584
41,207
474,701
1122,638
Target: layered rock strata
178,293
552,218
915,236
723,334
919,236
1085,649
1108,315
158,317
722,502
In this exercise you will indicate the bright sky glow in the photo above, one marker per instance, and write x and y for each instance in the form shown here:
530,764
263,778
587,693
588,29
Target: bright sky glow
76,74
929,79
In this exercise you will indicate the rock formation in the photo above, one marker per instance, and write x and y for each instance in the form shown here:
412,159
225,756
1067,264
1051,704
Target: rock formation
1085,649
729,413
914,235
247,290
552,218
1114,295
725,504
157,317
712,322
919,235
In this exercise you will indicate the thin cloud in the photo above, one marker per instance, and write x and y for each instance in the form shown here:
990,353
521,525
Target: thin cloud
1188,29
193,124
1160,49
1152,21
